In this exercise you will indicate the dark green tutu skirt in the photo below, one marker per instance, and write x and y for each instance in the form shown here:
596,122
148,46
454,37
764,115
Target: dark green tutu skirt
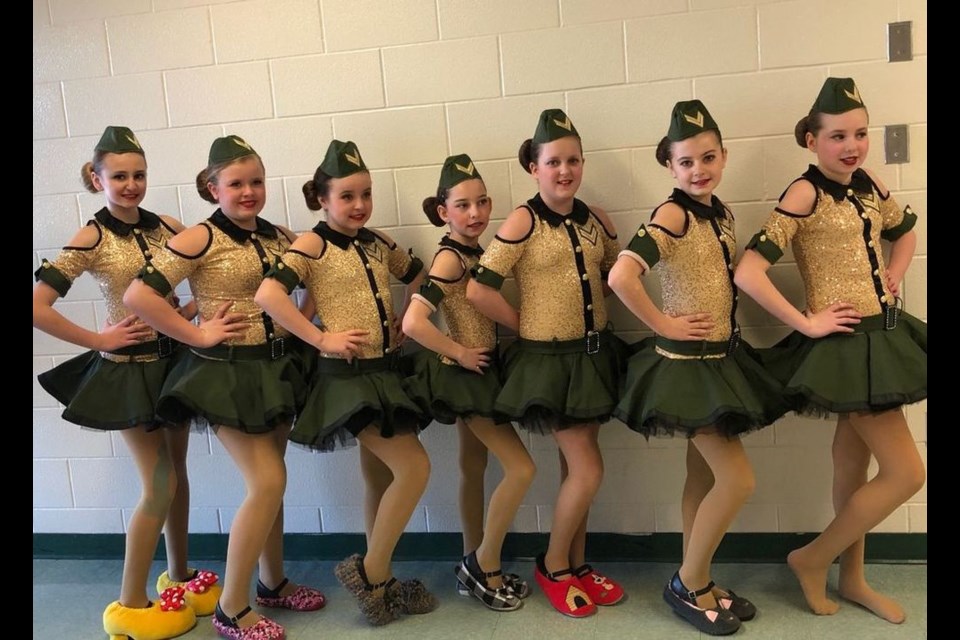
254,396
550,386
874,370
345,398
666,396
108,396
447,392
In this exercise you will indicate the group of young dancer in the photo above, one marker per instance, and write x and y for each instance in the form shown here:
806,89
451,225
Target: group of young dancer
244,360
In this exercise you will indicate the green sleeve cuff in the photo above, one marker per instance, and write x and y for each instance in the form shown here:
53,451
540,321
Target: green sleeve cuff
909,220
645,246
486,276
762,244
284,275
416,266
432,292
53,277
155,279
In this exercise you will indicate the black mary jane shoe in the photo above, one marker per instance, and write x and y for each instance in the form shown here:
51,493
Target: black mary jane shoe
715,622
474,578
737,605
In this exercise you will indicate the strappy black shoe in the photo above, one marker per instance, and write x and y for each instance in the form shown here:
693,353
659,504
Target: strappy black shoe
715,622
737,605
474,578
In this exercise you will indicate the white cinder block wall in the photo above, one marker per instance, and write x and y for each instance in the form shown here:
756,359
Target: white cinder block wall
412,81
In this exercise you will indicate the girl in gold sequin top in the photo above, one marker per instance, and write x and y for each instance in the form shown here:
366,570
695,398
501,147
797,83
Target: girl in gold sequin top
562,375
854,352
357,388
242,375
116,385
456,380
695,377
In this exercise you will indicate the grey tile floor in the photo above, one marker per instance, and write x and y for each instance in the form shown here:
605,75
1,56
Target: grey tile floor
69,597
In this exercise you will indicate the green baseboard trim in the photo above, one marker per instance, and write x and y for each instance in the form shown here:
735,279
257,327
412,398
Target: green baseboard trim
656,547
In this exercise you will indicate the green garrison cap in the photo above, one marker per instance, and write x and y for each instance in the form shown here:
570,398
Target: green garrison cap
229,148
456,169
118,140
553,124
342,159
689,118
838,95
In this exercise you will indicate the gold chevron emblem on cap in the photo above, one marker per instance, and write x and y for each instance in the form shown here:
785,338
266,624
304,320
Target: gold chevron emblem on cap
466,169
564,124
698,120
241,143
354,159
855,95
133,140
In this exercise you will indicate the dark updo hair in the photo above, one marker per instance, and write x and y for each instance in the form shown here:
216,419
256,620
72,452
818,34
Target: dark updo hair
318,187
664,152
212,174
96,166
430,205
530,151
812,123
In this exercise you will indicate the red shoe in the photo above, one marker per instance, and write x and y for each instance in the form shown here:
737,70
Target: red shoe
303,598
601,589
567,596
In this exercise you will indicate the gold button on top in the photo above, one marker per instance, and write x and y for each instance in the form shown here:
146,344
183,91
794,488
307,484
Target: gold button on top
589,307
849,192
368,266
730,267
253,236
876,272
270,335
585,277
280,265
387,350
864,215
579,249
46,264
763,238
147,254
386,323
642,232
136,232
265,259
479,269
356,243
870,244
150,269
377,296
567,222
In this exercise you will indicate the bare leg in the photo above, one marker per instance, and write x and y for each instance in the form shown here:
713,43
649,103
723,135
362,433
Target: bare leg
518,472
734,483
175,529
265,476
901,474
473,466
408,462
584,464
376,477
159,483
699,481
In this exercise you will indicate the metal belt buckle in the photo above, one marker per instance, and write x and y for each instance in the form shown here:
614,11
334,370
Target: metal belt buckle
734,342
278,348
593,342
164,346
891,314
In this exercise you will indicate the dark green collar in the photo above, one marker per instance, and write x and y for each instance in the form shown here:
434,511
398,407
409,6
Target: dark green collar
447,241
220,220
148,221
580,213
860,182
342,240
713,211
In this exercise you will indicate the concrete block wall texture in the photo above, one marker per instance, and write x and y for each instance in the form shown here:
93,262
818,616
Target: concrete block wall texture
412,81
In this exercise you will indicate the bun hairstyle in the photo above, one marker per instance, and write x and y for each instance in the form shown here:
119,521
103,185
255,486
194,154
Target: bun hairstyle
205,176
837,96
664,153
87,171
528,153
115,139
430,205
811,123
316,188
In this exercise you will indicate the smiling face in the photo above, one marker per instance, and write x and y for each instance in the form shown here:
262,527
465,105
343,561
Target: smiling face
123,179
349,202
697,165
558,171
467,211
241,191
841,144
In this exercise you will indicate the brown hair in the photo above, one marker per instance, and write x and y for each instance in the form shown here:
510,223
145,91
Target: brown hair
96,166
664,152
212,174
318,187
812,123
530,152
430,207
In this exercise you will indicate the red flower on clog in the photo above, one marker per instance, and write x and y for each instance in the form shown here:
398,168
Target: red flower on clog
171,599
202,581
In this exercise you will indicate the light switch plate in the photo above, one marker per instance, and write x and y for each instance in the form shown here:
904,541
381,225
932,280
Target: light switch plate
896,143
899,43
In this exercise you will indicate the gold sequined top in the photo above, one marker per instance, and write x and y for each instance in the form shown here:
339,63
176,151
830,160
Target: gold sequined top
696,266
114,261
230,268
466,325
837,245
350,284
558,267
